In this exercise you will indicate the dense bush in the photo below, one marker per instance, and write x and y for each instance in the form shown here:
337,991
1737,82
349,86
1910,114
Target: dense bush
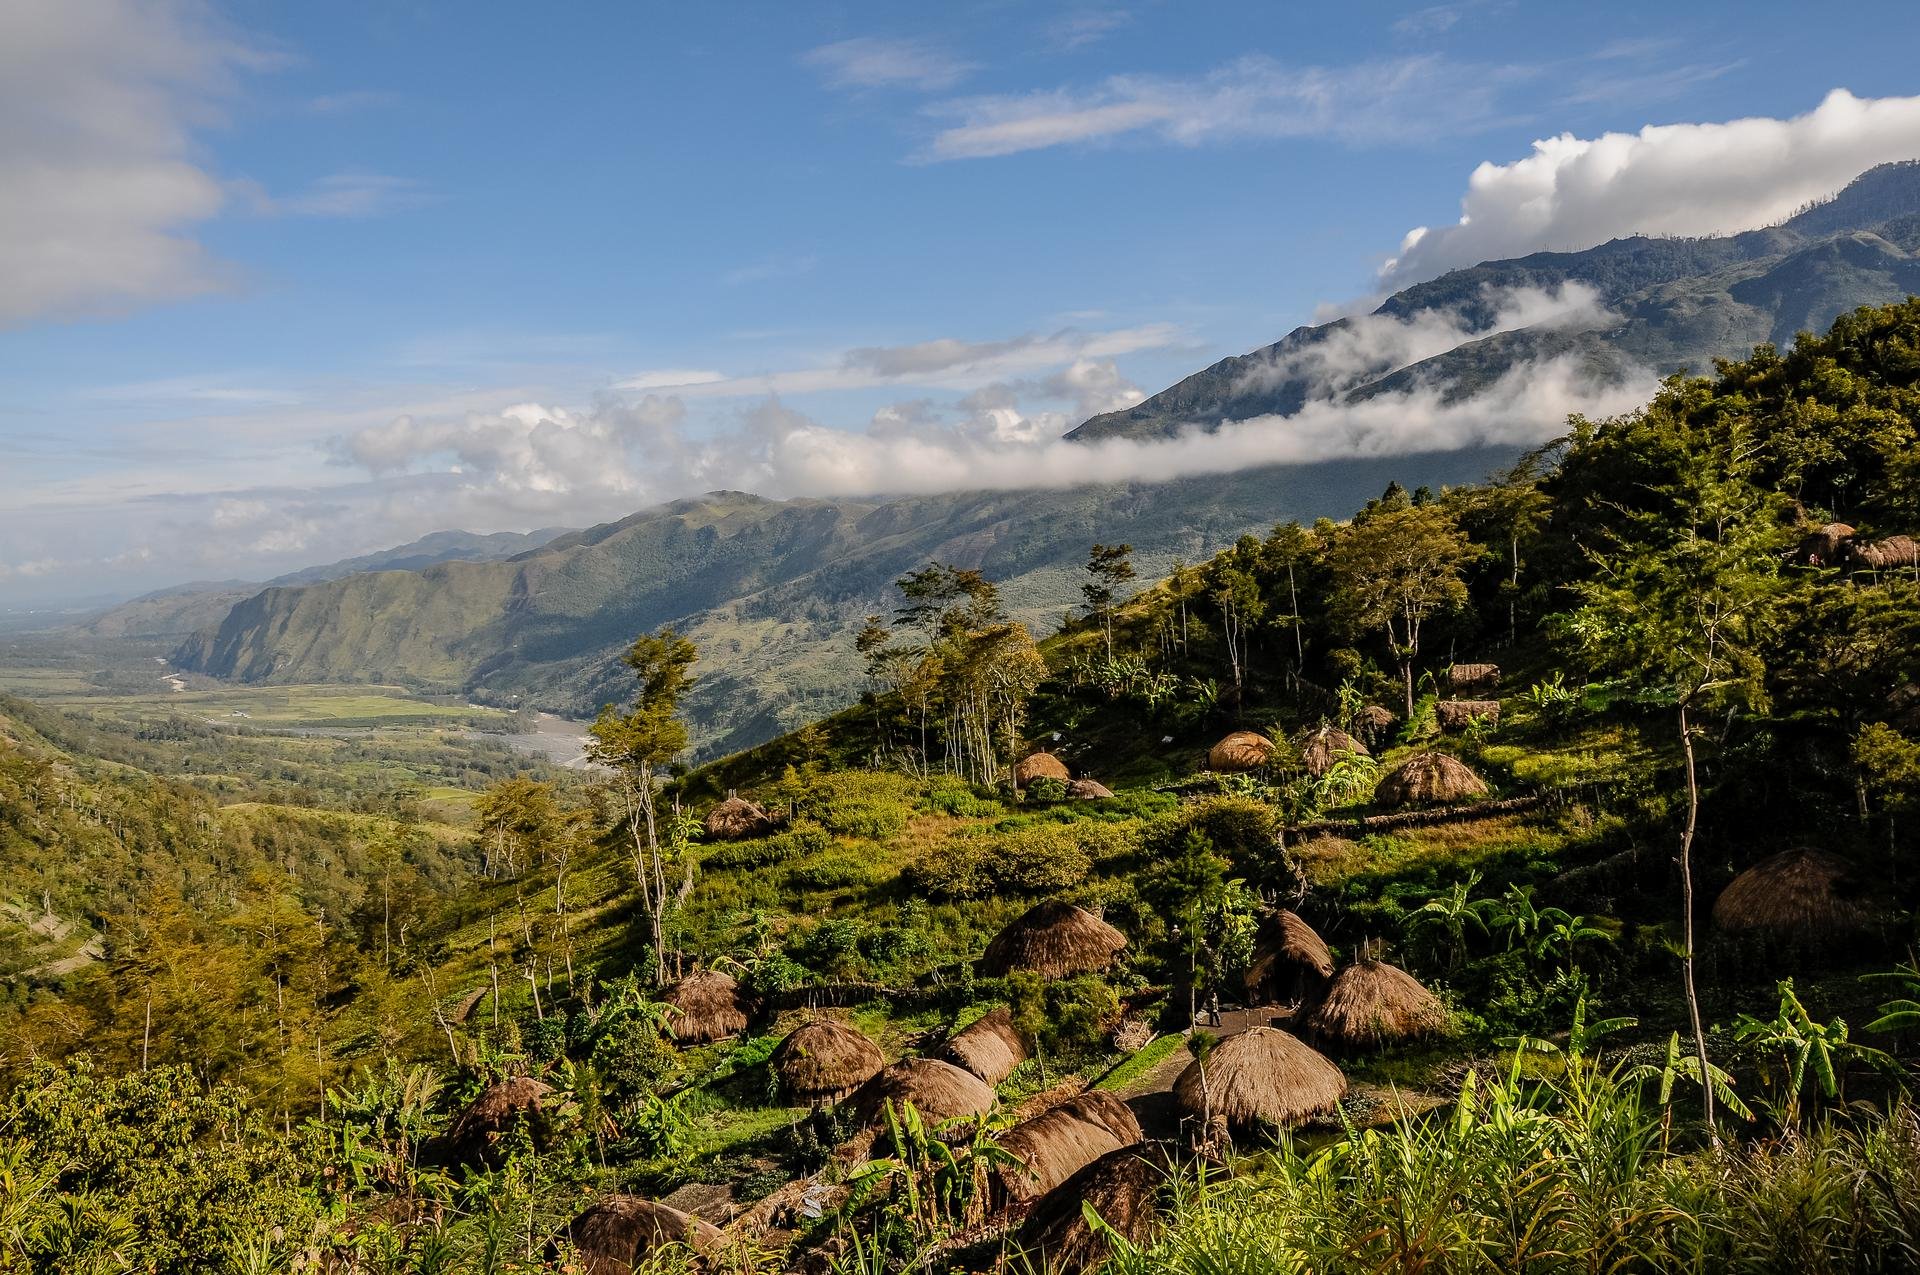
1030,859
803,838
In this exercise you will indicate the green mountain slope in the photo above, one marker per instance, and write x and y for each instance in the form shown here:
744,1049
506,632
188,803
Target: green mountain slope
770,590
186,608
1669,304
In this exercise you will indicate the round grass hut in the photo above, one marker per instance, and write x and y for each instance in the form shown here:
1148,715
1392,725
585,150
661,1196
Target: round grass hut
711,1007
1428,779
1825,546
819,1063
495,1111
1885,555
1039,766
988,1047
939,1090
1242,750
1059,1142
1122,1188
620,1233
1262,1076
1455,715
1088,790
1054,939
1373,722
1291,963
736,818
1321,748
1804,895
1372,1003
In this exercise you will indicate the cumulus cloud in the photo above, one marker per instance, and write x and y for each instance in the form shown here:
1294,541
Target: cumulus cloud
99,183
1252,97
1666,179
870,62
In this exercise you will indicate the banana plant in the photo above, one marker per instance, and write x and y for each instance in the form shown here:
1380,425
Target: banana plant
1806,1048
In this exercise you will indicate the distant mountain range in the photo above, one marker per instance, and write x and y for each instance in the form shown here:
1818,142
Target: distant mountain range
185,608
773,590
1665,304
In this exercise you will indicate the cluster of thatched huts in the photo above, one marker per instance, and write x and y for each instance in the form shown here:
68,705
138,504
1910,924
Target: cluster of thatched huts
1045,765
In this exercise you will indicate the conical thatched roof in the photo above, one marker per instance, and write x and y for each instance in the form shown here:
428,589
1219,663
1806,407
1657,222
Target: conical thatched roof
1286,950
1458,714
1242,750
1428,779
1374,717
1373,1003
1801,894
1825,546
1123,1189
1261,1076
1059,1142
621,1232
493,1111
1056,939
988,1047
711,1008
1325,746
1088,790
824,1061
939,1090
1039,766
736,817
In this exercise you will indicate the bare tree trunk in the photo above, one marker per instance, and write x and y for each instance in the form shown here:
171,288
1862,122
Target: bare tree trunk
1686,926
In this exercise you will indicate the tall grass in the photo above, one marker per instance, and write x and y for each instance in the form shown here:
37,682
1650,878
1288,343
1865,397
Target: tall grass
1577,1176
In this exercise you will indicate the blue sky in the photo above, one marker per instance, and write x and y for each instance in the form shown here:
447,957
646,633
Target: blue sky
295,281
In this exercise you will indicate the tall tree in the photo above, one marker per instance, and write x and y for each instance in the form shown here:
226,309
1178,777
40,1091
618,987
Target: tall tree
1109,568
637,745
1394,570
1683,601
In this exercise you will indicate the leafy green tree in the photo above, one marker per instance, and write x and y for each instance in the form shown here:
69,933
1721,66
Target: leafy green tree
1109,569
1395,570
637,745
1683,602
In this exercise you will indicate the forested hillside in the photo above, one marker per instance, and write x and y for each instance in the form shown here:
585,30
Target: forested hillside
1515,875
773,591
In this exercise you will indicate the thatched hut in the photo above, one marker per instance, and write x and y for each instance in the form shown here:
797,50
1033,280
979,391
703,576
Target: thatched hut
1825,546
1122,1188
1242,750
1372,1003
1039,766
1088,790
494,1112
1885,555
1372,723
1456,715
735,819
821,1062
711,1007
1059,1142
1321,748
1428,779
939,1090
1473,677
1261,1076
1291,963
1055,939
1803,895
988,1047
623,1231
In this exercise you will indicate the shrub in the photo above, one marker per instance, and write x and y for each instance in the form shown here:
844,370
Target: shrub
634,1058
831,872
803,838
954,798
1034,859
1046,788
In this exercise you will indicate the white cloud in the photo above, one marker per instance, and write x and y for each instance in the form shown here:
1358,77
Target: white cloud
1366,347
1087,26
668,378
349,195
873,63
100,185
1253,97
1670,179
